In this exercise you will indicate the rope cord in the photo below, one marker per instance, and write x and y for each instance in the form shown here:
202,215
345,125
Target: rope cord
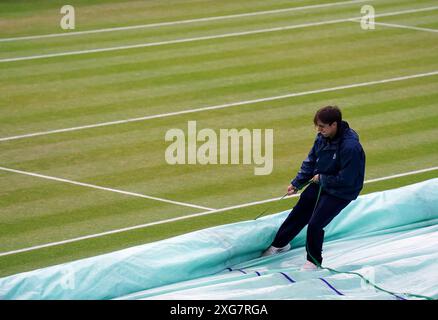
269,207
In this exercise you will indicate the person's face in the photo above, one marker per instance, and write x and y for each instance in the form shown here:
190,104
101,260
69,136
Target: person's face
327,130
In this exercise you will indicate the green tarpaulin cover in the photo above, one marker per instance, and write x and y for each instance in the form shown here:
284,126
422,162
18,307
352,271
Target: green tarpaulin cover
390,238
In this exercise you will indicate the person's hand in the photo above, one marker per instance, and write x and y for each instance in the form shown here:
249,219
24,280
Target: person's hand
291,190
315,178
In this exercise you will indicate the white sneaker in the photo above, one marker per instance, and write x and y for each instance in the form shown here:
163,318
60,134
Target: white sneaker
309,266
274,250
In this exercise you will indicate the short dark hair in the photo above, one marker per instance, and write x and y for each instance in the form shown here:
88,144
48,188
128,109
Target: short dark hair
328,115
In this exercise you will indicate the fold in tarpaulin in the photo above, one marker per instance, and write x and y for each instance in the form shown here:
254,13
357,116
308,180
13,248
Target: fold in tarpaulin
388,237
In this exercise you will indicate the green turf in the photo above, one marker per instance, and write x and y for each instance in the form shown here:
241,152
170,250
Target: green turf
396,121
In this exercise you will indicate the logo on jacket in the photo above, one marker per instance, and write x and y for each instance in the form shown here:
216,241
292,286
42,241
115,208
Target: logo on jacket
334,156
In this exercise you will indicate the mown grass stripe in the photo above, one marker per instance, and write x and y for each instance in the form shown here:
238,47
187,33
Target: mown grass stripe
167,34
95,109
412,119
202,38
402,90
342,87
161,24
134,83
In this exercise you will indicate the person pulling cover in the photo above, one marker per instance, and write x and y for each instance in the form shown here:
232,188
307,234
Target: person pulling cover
336,167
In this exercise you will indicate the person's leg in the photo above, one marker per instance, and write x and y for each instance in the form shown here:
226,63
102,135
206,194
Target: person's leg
297,218
327,209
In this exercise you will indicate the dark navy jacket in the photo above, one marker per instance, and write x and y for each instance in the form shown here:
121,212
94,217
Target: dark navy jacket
340,163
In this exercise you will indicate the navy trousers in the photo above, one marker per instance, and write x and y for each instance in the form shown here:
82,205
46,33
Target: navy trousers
302,214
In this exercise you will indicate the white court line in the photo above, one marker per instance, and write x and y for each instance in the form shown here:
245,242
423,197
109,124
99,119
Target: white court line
171,23
104,188
220,36
402,175
393,25
222,106
190,216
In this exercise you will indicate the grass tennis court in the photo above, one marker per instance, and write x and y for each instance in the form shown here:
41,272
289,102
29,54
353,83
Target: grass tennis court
61,98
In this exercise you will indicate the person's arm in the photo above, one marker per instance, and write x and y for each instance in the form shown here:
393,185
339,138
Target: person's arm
350,169
306,171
